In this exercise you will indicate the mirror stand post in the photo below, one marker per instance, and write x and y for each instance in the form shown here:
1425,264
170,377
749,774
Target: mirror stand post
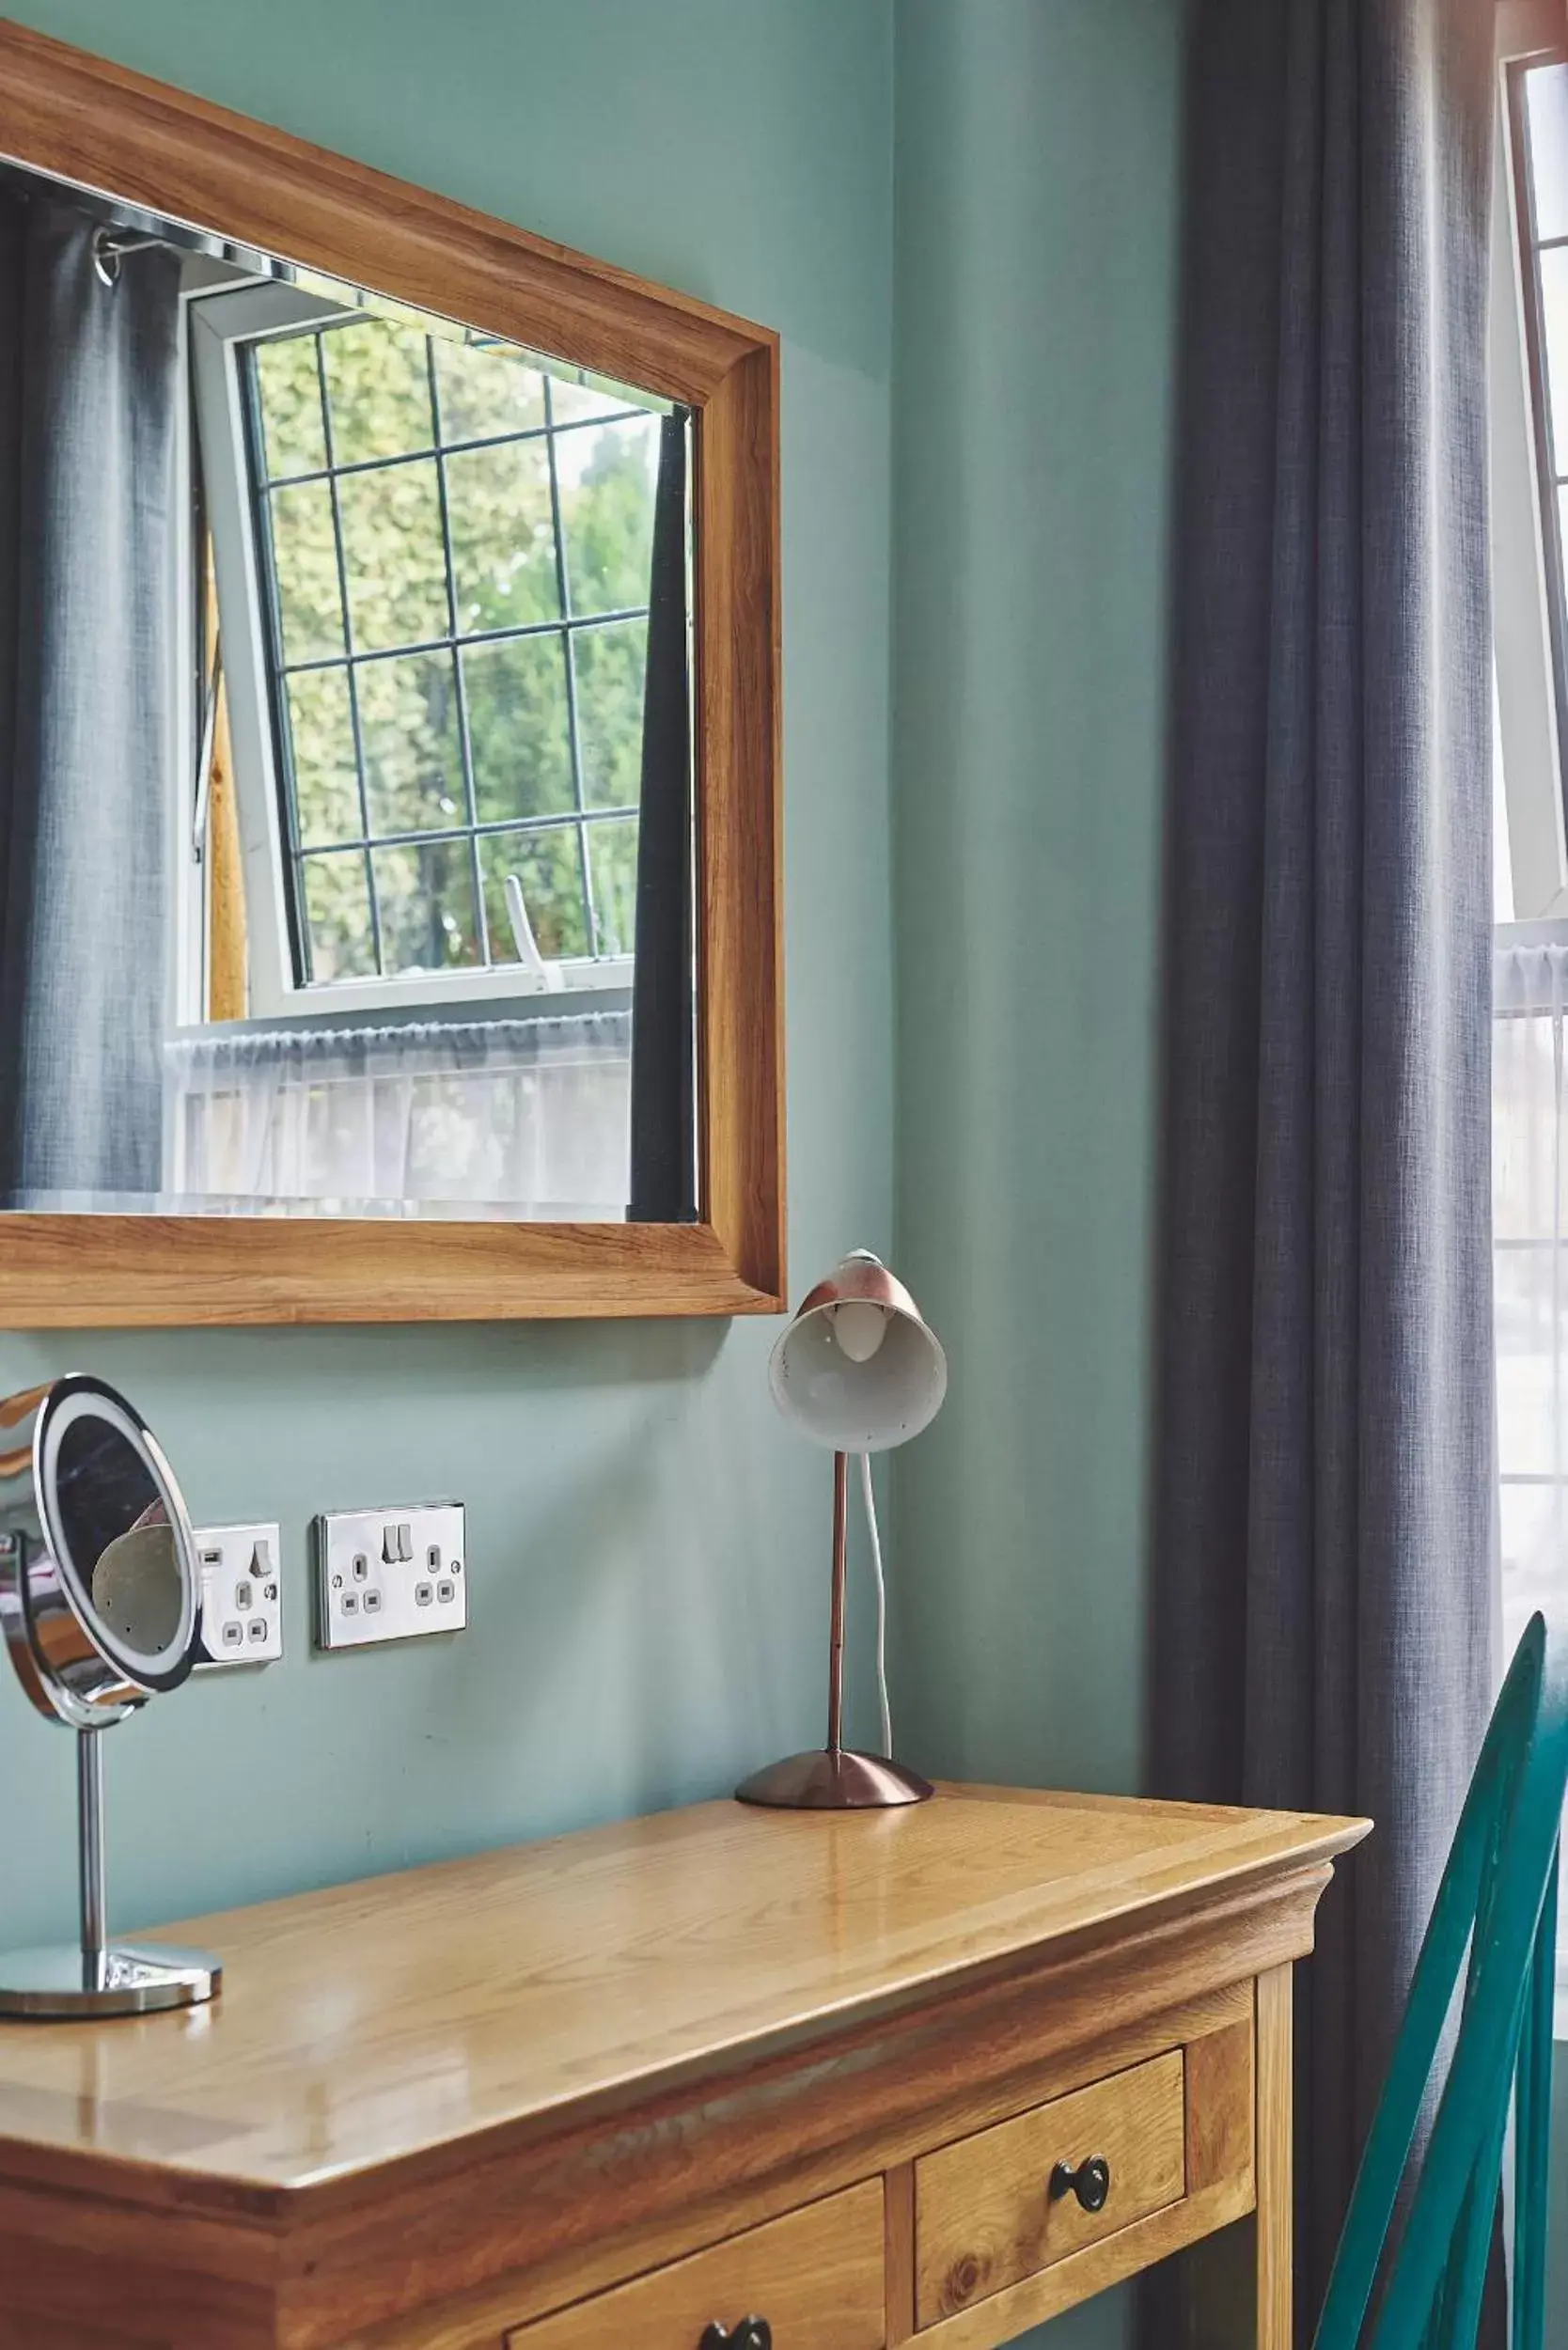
98,1976
91,1874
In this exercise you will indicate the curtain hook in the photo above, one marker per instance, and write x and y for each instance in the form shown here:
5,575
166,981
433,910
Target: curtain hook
105,258
110,246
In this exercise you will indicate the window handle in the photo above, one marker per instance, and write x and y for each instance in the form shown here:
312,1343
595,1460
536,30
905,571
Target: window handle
204,757
548,973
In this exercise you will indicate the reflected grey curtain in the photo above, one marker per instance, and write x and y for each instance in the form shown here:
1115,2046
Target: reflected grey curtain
1322,1605
664,1182
88,380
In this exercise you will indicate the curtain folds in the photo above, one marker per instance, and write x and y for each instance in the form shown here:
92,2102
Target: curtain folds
88,741
664,1172
519,1117
1323,1535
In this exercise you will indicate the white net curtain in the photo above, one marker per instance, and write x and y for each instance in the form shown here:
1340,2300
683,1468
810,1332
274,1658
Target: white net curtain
513,1117
1530,1159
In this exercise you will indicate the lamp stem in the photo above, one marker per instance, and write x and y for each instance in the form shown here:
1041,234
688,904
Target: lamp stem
91,1863
835,1637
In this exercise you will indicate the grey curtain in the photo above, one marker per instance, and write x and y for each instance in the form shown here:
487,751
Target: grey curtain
664,1178
1322,1613
89,746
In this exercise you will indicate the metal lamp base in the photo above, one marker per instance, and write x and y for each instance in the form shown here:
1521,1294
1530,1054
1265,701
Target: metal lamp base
833,1780
126,1979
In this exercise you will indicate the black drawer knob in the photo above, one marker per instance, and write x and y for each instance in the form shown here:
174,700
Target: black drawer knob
1091,2182
752,2333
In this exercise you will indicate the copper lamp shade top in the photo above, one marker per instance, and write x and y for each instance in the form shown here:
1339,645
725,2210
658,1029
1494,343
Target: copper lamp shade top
861,1277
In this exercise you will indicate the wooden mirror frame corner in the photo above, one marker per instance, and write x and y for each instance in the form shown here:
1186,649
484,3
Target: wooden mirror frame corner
81,118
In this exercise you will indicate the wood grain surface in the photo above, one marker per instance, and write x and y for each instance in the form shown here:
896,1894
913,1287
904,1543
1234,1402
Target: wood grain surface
984,2213
815,2277
375,2021
1275,2286
898,2188
433,2107
1110,2261
1220,2097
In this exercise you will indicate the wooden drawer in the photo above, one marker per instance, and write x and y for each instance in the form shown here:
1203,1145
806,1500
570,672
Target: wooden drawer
984,2213
816,2275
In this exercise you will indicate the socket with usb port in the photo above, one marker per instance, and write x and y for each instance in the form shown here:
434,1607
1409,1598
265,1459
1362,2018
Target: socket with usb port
242,1594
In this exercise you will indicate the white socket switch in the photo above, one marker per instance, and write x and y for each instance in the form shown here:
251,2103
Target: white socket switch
241,1595
389,1574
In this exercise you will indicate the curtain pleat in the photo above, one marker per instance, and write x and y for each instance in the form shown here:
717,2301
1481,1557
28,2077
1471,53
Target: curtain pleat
664,1177
89,742
1323,1537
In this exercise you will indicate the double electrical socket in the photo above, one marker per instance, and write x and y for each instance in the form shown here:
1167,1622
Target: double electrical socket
242,1594
380,1574
389,1574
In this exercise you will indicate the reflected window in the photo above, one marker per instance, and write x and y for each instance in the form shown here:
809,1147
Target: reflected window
388,894
453,544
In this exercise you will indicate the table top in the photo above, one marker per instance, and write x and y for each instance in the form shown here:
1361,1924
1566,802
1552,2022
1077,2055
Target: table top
382,2019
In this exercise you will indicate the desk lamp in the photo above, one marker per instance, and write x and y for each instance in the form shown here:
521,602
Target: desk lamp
857,1370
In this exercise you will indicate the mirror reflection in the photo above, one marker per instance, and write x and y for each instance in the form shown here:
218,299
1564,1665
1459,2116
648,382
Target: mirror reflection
118,1536
345,767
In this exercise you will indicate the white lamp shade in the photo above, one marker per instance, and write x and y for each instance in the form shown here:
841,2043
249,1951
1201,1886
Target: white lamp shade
847,1396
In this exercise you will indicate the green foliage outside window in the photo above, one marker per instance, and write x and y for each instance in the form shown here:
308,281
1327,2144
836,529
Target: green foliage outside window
422,457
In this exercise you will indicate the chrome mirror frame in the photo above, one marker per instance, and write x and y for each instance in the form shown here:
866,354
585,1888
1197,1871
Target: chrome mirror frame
81,1668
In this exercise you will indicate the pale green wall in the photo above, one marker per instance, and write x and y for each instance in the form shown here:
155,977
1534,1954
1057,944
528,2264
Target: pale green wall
648,1542
1035,204
1036,188
1035,224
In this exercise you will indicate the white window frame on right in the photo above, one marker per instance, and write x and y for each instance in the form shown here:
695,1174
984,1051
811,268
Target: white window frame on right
1528,632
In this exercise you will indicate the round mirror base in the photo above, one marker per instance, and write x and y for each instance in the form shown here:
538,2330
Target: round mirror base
128,1978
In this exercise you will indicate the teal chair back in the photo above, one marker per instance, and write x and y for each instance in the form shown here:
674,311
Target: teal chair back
1494,1921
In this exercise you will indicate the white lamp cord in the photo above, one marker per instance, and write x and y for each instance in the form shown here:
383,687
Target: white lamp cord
869,1499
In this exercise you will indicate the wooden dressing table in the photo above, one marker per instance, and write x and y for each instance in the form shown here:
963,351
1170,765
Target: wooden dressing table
927,2075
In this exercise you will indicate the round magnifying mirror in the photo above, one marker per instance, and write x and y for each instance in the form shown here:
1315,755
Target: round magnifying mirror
100,1605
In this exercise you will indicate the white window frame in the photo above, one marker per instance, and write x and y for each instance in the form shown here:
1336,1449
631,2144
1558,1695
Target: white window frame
186,973
220,322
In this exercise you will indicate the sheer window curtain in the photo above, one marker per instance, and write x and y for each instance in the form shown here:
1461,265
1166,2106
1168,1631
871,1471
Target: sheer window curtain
1530,1162
518,1117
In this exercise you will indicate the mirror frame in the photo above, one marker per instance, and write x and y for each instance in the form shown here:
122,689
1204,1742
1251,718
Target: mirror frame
81,118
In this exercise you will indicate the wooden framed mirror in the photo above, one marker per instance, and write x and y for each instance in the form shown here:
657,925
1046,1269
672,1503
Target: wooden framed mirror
390,924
